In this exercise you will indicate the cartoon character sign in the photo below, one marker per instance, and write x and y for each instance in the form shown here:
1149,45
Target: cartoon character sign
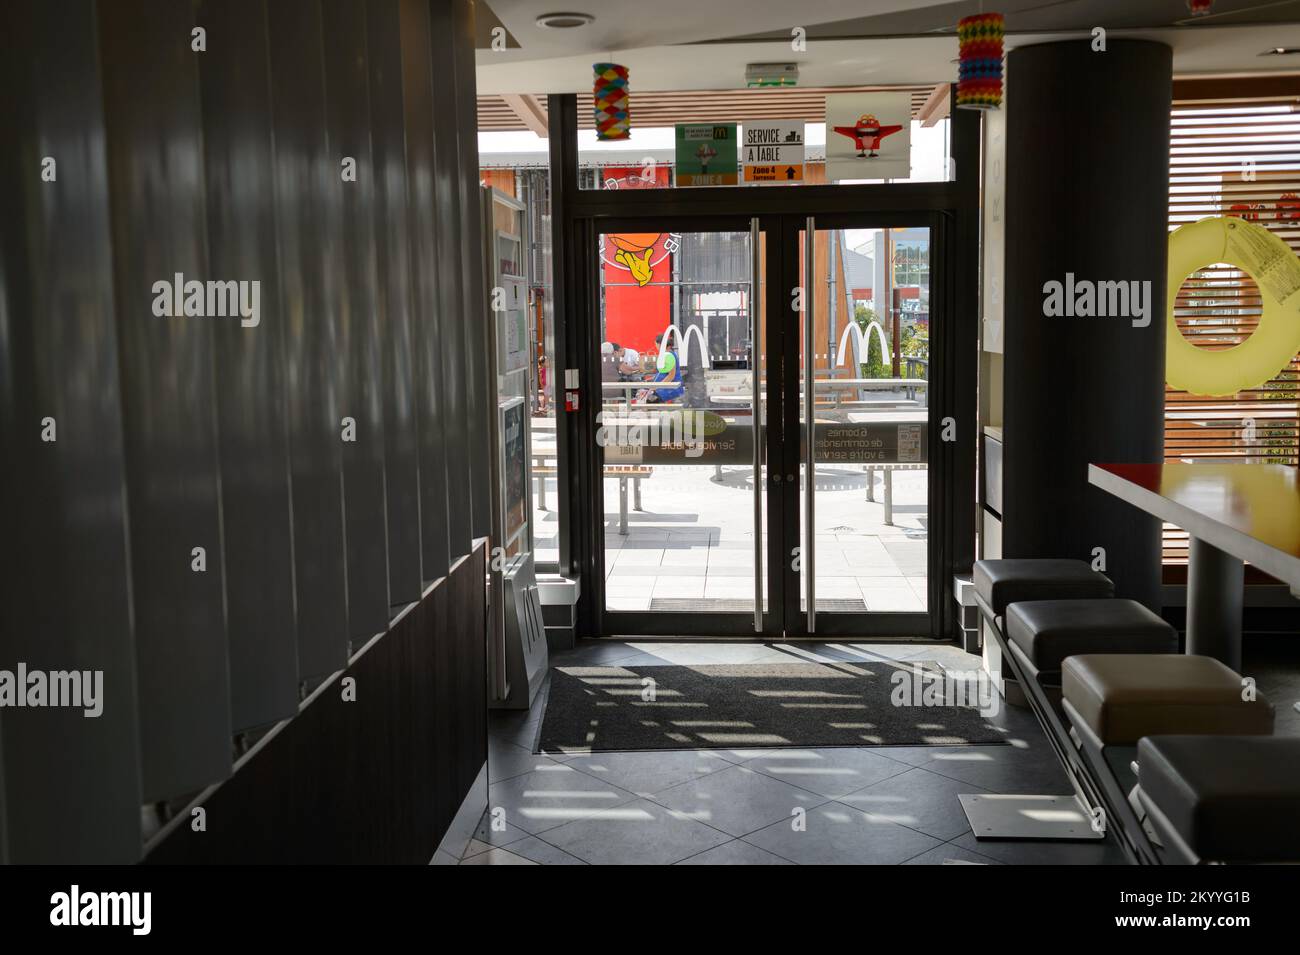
638,289
868,136
634,251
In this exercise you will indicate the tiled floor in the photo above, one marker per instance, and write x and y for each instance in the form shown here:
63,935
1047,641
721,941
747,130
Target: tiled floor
884,805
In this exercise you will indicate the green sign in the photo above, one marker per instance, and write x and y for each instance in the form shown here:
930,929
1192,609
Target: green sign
706,154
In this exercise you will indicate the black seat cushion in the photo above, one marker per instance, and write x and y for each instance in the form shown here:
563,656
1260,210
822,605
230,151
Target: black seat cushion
1003,582
1231,798
1048,631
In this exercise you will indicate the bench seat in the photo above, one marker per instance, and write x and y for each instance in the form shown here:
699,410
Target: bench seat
1120,698
1225,798
1000,583
1046,632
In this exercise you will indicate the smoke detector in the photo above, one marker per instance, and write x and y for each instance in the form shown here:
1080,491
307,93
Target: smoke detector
564,21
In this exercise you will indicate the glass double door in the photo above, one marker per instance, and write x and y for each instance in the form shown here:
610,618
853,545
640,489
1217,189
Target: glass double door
763,428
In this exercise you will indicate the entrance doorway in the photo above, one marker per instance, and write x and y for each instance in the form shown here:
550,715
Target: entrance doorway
711,339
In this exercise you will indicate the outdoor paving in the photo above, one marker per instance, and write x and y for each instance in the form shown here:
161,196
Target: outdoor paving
694,540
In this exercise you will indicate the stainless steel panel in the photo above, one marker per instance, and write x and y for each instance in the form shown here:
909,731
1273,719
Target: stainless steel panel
347,95
417,86
256,506
393,300
155,164
66,593
307,228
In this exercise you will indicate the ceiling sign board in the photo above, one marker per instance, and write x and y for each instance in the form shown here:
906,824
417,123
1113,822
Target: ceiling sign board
773,152
707,154
868,136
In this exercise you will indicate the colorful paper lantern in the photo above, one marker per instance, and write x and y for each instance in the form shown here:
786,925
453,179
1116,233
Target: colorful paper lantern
979,70
610,95
1199,8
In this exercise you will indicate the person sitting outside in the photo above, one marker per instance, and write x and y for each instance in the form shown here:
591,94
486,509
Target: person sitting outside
628,361
669,373
609,362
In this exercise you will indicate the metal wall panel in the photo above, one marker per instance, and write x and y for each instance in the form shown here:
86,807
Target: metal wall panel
454,248
307,217
66,601
417,86
393,300
251,419
347,98
481,389
155,163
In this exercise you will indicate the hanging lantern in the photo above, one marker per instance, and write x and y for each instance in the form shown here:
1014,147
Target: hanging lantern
610,95
1199,8
979,76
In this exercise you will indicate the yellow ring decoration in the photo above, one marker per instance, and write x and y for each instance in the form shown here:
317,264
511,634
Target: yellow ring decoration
1276,270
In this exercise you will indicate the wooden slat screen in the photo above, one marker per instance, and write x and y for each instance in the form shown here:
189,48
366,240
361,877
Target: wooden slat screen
702,106
1232,157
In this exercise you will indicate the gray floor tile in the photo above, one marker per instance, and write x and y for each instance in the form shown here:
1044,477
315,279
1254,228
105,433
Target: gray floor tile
542,800
736,852
497,857
518,727
543,853
1026,852
636,833
837,834
946,854
1003,769
918,799
738,800
497,836
830,772
507,759
595,653
650,772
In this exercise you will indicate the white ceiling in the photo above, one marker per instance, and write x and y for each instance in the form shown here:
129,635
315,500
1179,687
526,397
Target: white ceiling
627,24
660,43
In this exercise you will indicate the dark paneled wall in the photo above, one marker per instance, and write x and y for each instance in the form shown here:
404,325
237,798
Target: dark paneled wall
421,172
157,191
292,801
347,93
304,446
252,427
1087,193
307,226
393,300
63,522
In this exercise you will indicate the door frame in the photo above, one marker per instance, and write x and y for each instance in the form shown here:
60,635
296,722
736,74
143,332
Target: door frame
949,209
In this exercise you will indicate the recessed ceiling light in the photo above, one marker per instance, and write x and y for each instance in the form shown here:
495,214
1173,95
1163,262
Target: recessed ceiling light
564,21
1282,51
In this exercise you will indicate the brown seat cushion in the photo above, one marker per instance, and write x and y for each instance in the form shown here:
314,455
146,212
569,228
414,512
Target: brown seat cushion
1048,631
1230,798
1003,582
1123,697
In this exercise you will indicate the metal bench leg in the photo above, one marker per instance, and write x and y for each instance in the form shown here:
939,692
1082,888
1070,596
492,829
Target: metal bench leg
889,497
636,494
622,506
541,492
871,484
717,472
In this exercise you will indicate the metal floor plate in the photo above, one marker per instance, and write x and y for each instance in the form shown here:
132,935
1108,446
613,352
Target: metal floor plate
995,816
